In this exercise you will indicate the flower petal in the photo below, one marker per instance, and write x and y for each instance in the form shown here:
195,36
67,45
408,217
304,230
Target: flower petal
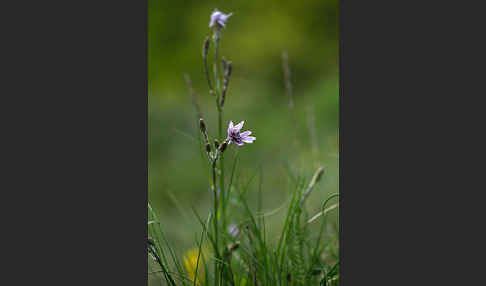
244,134
214,17
239,126
217,17
248,139
230,124
239,144
225,17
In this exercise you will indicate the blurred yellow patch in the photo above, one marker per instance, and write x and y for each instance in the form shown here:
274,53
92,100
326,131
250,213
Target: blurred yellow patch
190,261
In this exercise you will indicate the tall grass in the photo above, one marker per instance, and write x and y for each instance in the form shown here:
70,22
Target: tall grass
243,253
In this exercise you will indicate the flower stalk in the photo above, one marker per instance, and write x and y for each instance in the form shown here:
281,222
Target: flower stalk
219,90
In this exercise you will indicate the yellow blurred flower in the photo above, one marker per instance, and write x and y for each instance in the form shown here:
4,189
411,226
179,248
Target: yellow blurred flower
190,261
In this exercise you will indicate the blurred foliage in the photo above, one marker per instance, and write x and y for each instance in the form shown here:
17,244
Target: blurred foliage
253,40
256,34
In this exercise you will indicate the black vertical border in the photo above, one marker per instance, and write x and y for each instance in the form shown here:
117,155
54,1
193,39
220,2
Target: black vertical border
145,224
76,154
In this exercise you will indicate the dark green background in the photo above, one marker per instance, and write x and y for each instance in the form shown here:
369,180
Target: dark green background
253,40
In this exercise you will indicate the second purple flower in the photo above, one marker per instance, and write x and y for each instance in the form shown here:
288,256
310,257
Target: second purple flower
218,18
238,137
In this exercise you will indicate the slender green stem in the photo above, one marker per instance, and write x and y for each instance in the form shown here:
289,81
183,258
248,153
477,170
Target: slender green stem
199,255
217,79
215,218
220,124
221,168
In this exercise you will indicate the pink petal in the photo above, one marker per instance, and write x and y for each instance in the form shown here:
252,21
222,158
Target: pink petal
248,139
239,126
214,17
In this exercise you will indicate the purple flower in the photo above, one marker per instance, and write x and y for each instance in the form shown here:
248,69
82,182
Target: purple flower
238,138
233,230
218,18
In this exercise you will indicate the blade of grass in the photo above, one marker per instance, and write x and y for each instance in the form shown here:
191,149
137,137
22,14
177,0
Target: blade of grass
199,251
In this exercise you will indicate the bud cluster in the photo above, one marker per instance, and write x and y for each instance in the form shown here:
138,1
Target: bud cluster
219,148
223,146
202,127
206,48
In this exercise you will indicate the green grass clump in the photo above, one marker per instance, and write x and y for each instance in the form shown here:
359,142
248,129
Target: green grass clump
298,256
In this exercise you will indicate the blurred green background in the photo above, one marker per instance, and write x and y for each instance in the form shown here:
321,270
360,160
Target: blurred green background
253,40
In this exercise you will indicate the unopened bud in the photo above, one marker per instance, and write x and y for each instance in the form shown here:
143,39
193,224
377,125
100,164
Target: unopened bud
226,78
228,69
216,143
202,125
318,174
206,47
223,146
224,62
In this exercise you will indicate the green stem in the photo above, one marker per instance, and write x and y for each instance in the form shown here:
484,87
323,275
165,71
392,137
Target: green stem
217,76
221,168
217,80
215,218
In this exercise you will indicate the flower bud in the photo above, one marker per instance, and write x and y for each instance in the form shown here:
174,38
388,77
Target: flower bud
228,69
205,47
216,143
223,60
318,174
223,146
202,125
226,78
